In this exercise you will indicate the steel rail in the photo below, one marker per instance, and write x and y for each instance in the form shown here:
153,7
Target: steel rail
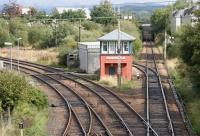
119,98
36,66
116,113
89,107
171,129
147,91
147,95
71,109
39,66
108,104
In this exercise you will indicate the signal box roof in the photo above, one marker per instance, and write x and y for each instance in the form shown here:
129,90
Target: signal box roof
113,36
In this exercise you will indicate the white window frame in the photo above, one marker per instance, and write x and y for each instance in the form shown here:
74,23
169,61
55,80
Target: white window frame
127,47
112,47
104,44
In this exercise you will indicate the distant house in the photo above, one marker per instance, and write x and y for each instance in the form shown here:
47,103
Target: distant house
25,10
183,17
66,9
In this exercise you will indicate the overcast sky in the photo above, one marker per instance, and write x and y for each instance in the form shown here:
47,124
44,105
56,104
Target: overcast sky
72,2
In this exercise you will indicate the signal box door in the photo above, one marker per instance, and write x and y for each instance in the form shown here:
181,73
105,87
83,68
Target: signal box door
112,70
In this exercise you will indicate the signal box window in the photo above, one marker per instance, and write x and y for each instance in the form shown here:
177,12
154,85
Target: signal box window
105,47
125,46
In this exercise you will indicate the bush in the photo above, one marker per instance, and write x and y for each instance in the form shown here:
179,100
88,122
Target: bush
137,46
68,45
172,51
89,25
14,89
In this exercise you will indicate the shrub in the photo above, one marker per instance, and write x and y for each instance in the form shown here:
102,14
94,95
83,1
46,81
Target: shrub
137,46
14,89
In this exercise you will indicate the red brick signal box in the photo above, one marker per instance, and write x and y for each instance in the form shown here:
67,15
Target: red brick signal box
110,56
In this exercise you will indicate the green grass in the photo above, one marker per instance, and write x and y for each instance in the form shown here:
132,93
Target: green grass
28,102
190,97
34,119
126,85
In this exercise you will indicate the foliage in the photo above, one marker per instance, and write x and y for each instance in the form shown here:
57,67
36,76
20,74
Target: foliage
34,119
39,36
172,51
131,28
4,32
89,25
137,46
12,9
41,15
160,20
68,45
73,14
103,10
33,11
188,42
18,29
15,89
180,4
189,94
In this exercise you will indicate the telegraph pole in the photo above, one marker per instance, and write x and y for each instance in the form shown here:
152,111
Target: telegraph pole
165,46
79,31
119,52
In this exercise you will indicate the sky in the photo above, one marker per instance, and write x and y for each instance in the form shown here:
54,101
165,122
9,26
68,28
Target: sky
71,2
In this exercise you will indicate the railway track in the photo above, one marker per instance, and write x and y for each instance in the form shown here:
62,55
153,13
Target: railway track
118,128
132,122
156,105
81,115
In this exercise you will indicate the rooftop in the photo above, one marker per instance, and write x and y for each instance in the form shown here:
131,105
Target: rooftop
113,36
184,12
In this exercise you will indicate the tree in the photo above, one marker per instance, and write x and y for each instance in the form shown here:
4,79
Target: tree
160,20
18,28
73,14
33,11
41,15
4,32
180,4
188,42
12,9
103,10
55,14
39,36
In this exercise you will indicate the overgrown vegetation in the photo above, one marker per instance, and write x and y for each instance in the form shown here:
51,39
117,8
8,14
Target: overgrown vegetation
185,48
26,103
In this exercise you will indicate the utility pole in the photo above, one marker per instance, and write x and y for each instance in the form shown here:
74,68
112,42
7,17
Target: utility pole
9,44
18,40
165,46
119,52
56,31
79,31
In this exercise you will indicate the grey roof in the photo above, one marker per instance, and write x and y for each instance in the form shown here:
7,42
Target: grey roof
178,13
184,12
113,36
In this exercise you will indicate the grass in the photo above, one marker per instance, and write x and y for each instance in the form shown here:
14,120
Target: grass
31,106
47,56
125,86
35,121
190,97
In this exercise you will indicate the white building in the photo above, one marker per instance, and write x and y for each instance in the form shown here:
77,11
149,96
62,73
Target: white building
66,9
89,53
183,17
26,11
